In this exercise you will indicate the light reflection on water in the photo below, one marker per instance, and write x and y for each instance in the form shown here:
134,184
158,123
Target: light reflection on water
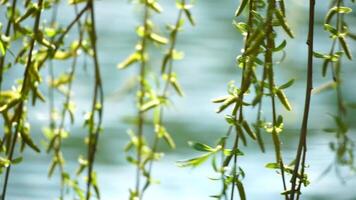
210,50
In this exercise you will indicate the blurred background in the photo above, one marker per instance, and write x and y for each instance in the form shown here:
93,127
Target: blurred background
209,64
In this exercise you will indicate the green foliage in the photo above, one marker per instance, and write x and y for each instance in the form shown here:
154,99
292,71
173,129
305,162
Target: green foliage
336,25
259,47
150,99
42,44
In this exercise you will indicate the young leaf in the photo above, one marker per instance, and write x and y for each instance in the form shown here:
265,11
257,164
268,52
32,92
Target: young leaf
227,103
189,16
157,38
241,7
283,23
194,162
149,105
272,165
248,130
241,190
283,99
201,147
280,47
286,85
330,29
345,46
334,10
133,58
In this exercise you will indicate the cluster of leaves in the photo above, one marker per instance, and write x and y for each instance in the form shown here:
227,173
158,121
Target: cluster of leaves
336,25
256,60
153,97
42,44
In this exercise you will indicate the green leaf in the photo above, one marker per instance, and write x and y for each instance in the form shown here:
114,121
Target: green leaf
28,140
241,27
52,167
283,23
149,105
345,47
286,85
162,132
334,10
325,67
241,190
62,79
17,160
241,134
133,58
155,6
174,82
282,6
194,162
221,99
283,99
249,130
241,7
320,55
272,166
50,32
2,48
330,29
8,99
227,103
166,58
63,55
157,38
237,152
201,147
280,47
76,1
189,16
4,162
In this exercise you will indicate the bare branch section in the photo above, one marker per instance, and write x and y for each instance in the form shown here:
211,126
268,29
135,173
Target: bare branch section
298,173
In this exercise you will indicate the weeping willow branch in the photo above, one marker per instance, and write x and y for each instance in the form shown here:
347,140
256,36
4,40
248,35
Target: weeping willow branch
19,113
270,75
336,25
170,79
141,99
7,34
97,109
302,147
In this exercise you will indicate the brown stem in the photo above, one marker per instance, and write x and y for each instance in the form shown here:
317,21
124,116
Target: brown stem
94,130
302,147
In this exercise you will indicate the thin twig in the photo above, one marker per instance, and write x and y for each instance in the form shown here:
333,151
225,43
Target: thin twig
302,147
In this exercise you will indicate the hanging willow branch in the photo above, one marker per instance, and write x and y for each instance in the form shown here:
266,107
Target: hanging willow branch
336,25
259,41
276,123
22,127
298,176
43,45
94,118
148,98
63,83
169,79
